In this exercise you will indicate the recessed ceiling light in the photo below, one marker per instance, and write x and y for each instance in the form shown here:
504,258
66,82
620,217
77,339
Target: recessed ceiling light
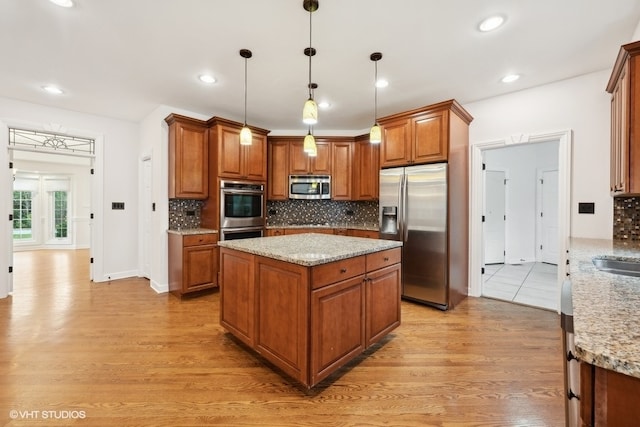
510,78
382,83
53,89
63,3
491,23
207,78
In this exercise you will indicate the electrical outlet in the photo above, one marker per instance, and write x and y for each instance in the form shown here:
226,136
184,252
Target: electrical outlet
191,213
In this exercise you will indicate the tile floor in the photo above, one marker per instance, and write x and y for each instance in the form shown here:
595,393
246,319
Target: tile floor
531,283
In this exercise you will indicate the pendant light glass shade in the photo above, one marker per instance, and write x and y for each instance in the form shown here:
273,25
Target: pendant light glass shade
309,145
245,134
375,135
310,112
246,138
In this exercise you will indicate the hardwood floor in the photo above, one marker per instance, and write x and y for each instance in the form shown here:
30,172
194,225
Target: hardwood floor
118,354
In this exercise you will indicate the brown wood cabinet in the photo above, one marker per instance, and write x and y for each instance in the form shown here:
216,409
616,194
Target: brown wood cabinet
278,165
319,230
310,321
235,161
300,163
625,121
188,158
341,169
366,169
608,398
370,234
193,262
422,135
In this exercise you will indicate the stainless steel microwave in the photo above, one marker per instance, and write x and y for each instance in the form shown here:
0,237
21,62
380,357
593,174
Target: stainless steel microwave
309,187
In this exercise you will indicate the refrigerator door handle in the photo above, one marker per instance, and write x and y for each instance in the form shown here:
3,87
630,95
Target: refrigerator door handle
405,207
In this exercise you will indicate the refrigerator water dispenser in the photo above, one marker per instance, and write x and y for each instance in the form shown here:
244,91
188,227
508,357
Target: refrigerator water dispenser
389,223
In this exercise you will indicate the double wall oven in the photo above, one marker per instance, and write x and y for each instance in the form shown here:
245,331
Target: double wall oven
242,207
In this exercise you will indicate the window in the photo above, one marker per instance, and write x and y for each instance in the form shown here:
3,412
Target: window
59,210
22,215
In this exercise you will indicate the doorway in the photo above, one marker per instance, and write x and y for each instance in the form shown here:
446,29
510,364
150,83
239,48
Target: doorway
520,255
50,191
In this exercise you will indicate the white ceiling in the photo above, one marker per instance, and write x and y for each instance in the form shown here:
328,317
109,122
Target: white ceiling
122,58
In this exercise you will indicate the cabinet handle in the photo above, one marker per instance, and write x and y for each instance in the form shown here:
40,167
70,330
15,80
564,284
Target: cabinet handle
343,270
571,395
386,259
571,357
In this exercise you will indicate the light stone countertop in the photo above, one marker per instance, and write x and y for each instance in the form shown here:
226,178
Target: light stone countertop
310,249
189,231
606,307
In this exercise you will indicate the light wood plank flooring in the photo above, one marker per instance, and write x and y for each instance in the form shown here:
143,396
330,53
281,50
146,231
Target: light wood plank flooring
119,354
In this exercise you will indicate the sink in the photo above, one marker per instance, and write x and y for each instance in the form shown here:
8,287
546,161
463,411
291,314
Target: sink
618,265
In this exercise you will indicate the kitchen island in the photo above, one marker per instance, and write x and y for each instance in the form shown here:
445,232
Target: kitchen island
310,303
607,333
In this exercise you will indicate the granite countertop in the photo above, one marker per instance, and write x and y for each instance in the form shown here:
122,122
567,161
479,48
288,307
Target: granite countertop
310,249
189,231
606,307
357,226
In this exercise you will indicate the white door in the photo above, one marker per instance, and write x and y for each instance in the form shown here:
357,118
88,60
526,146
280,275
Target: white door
549,217
146,217
494,217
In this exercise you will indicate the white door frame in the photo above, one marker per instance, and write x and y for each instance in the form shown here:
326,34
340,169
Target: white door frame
476,186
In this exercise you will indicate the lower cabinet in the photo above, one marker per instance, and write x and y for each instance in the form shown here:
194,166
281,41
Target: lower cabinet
370,234
310,321
193,262
608,398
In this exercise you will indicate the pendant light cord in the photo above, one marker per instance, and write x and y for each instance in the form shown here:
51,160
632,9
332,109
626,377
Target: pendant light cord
375,97
310,51
245,91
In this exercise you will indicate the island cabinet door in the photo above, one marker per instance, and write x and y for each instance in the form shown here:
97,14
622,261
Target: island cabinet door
382,292
337,326
237,294
282,314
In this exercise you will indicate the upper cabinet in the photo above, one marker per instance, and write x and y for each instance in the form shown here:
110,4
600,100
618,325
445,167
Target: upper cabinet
300,163
366,169
188,158
278,161
625,121
235,161
422,135
342,166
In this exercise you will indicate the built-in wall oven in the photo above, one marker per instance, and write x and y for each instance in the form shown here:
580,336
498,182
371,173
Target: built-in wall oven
241,210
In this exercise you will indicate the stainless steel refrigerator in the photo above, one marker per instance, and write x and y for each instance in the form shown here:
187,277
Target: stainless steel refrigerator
413,209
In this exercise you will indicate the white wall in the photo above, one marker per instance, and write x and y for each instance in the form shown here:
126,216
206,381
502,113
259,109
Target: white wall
521,164
115,247
580,104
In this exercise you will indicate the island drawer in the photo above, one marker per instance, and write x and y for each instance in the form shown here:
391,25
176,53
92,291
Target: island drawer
378,260
199,239
325,274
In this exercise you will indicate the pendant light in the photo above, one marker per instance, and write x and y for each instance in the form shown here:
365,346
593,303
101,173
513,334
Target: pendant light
310,109
375,135
245,134
309,145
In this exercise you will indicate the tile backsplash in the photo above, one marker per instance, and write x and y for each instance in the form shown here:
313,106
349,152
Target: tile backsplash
184,214
626,218
321,212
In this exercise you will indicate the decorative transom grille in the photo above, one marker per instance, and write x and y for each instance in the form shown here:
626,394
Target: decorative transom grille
34,140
